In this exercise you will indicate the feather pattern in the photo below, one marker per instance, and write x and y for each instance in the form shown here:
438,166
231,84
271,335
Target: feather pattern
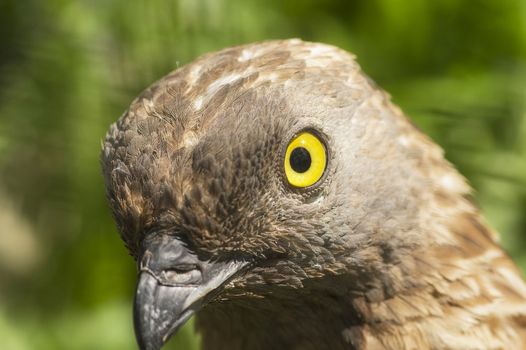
389,252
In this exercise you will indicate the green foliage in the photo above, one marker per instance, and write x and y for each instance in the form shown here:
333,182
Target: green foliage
70,68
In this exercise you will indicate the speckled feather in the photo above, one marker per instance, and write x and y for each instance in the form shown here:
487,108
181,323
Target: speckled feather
388,252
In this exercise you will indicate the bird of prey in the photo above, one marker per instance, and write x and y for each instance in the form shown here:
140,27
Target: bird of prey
276,192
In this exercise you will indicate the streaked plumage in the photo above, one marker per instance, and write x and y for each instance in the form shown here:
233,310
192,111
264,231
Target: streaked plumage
387,252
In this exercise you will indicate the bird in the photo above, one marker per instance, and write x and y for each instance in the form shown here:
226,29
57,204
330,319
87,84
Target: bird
274,191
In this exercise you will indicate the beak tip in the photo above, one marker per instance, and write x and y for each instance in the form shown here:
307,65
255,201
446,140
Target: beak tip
148,345
146,321
148,339
158,312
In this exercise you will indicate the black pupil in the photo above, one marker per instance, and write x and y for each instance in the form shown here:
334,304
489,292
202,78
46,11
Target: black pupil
300,160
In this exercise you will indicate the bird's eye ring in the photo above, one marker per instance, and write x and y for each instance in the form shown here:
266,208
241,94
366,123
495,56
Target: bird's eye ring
305,160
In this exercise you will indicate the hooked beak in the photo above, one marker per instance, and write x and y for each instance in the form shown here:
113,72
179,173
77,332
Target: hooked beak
174,284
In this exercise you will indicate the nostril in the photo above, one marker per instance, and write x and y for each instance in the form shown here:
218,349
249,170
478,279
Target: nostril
181,275
184,268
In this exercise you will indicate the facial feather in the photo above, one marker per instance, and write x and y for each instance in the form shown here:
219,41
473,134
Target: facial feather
389,237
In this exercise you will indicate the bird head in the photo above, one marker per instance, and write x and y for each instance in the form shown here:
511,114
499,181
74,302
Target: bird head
265,167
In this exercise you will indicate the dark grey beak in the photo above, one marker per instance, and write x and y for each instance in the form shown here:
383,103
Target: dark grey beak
173,285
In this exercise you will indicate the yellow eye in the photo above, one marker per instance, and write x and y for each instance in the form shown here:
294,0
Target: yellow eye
305,160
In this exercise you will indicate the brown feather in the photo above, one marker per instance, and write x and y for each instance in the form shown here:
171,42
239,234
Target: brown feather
388,252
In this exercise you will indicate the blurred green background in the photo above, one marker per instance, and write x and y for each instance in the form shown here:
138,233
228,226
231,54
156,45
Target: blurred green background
70,68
